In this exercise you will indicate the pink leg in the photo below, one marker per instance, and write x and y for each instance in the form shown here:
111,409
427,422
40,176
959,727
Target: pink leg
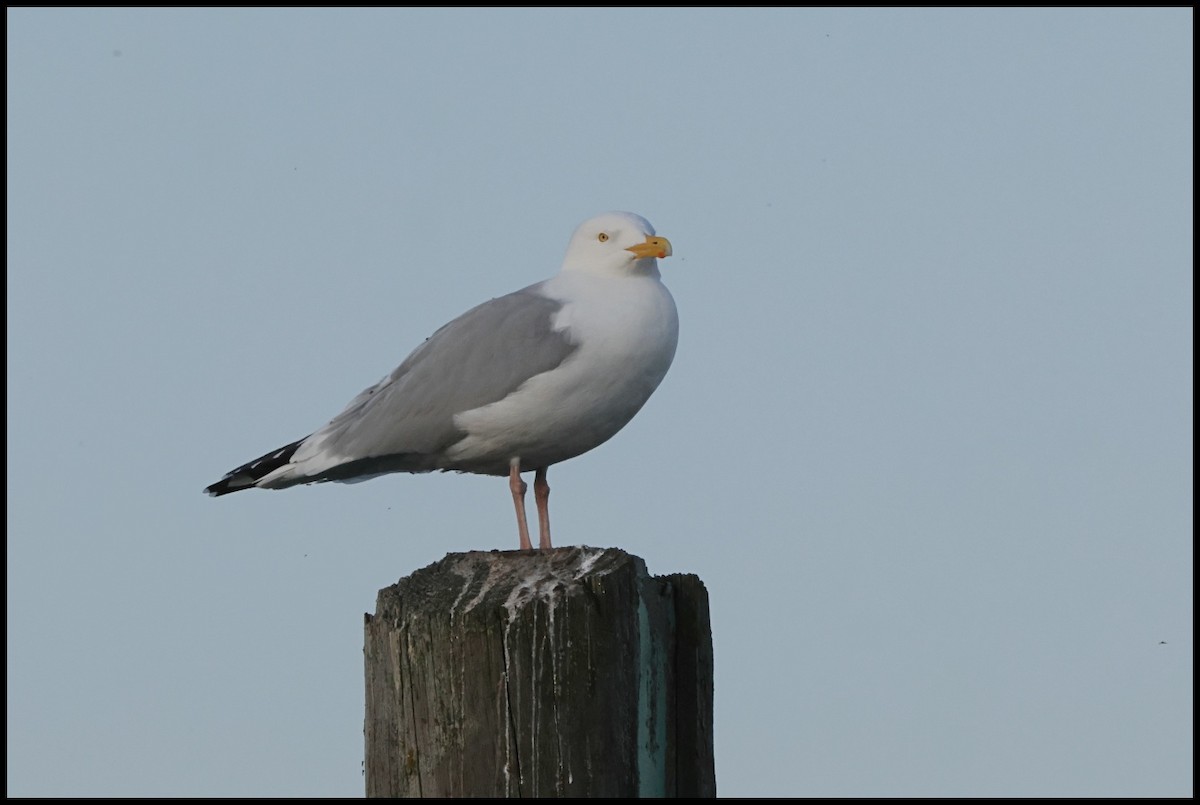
518,492
541,494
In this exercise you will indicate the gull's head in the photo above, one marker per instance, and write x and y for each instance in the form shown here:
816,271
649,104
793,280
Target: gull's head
616,243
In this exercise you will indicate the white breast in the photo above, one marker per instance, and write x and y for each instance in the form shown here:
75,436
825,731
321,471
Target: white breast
626,328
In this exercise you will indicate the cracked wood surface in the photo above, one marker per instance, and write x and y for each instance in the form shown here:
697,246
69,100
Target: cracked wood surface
569,672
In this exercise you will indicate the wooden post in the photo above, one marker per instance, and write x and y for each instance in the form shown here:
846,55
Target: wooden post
569,672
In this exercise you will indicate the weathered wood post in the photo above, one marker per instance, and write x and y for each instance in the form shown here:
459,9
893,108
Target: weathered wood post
569,672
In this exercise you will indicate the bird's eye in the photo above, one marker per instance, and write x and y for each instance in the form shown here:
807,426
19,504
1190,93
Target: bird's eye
602,237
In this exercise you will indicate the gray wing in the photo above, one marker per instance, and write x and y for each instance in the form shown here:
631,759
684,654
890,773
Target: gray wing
479,358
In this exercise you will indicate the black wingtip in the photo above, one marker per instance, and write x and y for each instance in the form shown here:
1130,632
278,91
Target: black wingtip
248,475
223,487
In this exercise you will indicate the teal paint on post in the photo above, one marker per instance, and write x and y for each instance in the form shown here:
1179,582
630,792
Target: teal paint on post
652,705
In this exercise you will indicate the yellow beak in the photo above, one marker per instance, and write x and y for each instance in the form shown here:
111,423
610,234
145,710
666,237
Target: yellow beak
653,247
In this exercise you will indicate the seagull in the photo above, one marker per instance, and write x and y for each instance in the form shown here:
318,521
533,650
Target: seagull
513,385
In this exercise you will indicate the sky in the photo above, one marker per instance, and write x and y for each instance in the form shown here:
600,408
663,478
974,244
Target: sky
927,438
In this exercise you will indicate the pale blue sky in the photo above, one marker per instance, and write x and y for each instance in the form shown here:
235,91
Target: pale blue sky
927,438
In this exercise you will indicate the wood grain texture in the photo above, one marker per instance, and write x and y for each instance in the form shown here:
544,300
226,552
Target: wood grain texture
569,672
